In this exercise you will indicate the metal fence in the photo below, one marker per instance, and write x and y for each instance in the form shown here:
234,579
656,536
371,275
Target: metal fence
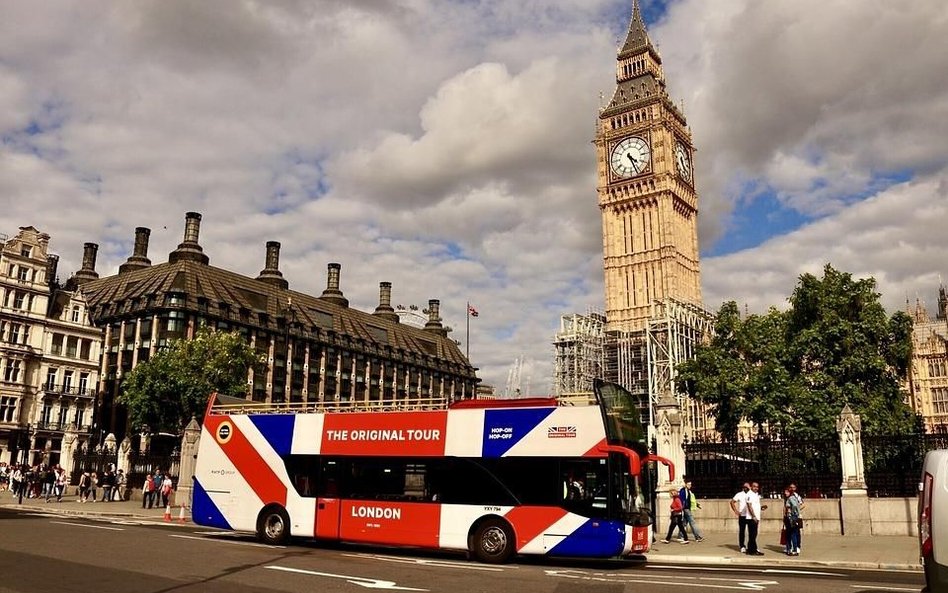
142,464
91,461
893,464
719,469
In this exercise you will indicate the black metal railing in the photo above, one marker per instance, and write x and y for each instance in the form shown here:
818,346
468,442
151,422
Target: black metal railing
91,461
57,388
142,464
719,469
893,463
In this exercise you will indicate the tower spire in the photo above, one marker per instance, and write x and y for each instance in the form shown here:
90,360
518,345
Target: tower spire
636,40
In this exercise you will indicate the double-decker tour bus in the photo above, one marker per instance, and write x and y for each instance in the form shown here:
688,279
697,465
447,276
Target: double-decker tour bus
493,477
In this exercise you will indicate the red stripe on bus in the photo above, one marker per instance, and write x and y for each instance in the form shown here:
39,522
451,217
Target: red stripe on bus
529,522
251,466
596,451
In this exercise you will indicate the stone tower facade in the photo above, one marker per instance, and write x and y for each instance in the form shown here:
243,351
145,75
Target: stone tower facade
646,190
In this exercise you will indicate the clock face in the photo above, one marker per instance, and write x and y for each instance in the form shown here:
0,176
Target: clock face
683,161
630,157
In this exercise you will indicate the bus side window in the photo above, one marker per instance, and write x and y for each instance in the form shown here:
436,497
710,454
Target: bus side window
302,470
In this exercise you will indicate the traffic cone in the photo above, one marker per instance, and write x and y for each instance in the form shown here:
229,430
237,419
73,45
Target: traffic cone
181,517
168,513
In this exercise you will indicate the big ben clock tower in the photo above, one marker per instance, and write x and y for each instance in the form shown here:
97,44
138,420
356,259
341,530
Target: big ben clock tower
646,190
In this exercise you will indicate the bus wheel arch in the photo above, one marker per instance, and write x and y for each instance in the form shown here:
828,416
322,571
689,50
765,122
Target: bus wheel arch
492,540
273,525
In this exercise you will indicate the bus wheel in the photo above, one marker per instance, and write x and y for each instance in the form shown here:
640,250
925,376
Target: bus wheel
273,526
493,542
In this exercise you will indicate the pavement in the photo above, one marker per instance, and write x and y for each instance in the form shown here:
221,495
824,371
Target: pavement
892,552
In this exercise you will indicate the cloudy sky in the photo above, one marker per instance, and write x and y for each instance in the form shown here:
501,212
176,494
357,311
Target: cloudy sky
444,145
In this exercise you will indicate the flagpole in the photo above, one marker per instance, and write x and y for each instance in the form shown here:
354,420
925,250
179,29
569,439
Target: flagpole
467,338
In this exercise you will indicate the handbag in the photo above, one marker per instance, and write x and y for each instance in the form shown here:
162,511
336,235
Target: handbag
783,536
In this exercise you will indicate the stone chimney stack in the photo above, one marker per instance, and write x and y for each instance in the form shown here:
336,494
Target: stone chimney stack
385,310
434,318
139,258
88,264
332,292
271,273
52,267
190,249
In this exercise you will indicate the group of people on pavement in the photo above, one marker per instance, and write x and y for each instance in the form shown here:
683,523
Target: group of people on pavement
50,481
746,504
748,507
157,489
112,482
37,481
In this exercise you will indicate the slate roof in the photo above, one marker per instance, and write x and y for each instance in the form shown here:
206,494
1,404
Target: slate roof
228,295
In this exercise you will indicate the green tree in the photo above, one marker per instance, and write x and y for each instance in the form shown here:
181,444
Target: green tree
794,370
164,392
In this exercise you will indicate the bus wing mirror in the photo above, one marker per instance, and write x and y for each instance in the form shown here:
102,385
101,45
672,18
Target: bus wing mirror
635,462
664,461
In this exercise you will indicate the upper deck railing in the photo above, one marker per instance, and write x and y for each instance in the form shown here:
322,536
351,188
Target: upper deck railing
227,405
224,405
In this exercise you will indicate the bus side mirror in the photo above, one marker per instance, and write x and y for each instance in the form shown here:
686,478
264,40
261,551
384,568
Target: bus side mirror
664,461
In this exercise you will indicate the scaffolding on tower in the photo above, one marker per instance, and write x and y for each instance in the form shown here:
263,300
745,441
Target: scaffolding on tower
578,351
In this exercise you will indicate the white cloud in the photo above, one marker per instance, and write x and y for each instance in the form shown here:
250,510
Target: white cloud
444,145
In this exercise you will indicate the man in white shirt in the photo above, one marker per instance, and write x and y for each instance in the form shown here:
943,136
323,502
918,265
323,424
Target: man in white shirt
739,506
754,509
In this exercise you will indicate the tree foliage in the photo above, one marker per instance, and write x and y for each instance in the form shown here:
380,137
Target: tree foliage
794,370
163,393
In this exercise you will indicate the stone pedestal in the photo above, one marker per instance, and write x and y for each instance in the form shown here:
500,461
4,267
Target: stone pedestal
189,449
669,444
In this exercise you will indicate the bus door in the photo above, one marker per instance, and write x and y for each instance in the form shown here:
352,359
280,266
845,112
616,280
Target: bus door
328,501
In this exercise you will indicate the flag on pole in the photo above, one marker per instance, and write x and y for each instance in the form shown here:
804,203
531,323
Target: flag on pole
471,310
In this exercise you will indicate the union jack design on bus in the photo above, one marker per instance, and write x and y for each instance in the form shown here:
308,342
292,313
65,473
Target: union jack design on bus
497,479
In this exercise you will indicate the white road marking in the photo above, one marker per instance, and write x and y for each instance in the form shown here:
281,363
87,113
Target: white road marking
760,570
679,581
430,562
913,589
89,526
225,541
368,583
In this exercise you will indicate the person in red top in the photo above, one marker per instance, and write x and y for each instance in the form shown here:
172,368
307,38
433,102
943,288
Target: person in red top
675,520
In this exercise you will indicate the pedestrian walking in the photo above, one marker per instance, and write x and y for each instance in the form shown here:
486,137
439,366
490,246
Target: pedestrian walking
739,507
802,505
85,481
166,488
118,493
689,504
754,509
48,479
60,484
93,485
148,491
108,484
791,523
18,479
675,520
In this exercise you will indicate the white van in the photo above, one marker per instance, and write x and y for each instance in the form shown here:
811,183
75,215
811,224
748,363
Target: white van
933,520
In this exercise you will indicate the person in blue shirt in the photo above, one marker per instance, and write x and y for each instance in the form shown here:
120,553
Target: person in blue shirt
689,503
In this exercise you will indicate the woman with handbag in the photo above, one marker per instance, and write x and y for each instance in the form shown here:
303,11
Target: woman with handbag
791,523
677,510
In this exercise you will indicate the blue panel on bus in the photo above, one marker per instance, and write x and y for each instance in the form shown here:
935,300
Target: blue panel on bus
596,538
504,428
277,429
204,511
